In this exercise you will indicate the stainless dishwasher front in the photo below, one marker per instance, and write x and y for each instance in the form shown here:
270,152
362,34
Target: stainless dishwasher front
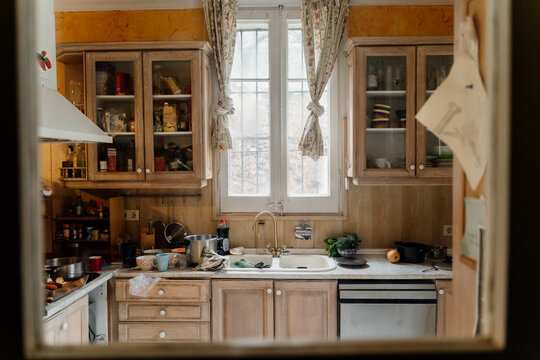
381,309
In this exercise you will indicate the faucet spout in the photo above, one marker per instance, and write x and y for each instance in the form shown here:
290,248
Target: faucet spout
275,250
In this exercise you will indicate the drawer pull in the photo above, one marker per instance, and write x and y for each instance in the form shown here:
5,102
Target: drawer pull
269,291
278,292
162,334
161,292
162,313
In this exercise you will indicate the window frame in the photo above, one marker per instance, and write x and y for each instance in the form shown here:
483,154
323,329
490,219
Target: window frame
279,200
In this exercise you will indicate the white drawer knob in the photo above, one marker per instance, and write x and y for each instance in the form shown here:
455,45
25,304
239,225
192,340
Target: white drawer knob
161,292
421,167
269,291
278,292
139,170
147,171
162,313
441,292
411,167
64,326
162,334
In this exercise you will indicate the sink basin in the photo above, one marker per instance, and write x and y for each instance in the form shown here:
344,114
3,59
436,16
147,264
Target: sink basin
306,263
297,263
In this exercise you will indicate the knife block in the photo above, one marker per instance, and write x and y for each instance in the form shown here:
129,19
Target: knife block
148,241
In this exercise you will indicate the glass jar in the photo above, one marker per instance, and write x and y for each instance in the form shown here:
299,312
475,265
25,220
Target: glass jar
182,260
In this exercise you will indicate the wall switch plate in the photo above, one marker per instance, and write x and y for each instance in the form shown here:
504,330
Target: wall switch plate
131,215
447,230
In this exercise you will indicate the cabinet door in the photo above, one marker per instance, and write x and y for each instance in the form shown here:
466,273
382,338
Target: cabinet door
174,146
52,329
115,103
242,309
305,309
385,94
433,157
444,307
75,326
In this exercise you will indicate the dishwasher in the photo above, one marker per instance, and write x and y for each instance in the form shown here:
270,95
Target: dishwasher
382,309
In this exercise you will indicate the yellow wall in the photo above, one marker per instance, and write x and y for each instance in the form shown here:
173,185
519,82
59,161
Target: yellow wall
401,20
147,25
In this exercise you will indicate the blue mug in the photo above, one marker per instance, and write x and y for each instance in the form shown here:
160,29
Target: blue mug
161,261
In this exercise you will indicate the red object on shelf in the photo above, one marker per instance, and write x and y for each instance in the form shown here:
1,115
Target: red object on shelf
159,163
111,159
121,83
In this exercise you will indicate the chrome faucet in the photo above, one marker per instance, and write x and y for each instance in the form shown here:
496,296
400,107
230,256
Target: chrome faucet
275,251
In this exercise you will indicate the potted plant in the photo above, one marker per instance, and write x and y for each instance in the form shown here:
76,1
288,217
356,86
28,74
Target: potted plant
345,245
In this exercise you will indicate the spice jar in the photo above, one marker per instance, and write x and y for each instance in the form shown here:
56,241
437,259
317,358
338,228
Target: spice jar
65,232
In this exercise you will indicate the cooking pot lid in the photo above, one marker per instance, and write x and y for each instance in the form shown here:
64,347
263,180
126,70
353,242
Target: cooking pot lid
174,232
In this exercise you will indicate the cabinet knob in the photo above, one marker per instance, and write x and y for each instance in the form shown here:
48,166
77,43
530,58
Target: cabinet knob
161,292
421,167
162,334
269,291
411,167
441,291
64,326
278,292
147,171
139,170
162,313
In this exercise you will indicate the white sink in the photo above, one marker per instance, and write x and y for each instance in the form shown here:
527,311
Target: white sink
306,263
288,263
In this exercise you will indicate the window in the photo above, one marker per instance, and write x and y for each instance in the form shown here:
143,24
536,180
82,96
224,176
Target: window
265,170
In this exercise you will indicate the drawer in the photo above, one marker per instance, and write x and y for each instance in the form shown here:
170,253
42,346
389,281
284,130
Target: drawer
160,332
187,291
138,311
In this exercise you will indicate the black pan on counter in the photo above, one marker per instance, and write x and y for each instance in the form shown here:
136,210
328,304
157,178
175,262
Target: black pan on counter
411,252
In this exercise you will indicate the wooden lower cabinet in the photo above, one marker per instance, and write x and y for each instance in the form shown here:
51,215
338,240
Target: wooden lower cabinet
173,311
266,309
444,307
68,327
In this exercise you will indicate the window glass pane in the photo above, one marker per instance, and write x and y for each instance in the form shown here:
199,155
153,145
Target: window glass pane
305,177
249,161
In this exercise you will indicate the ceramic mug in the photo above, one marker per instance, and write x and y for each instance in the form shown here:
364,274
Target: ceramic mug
161,261
382,163
96,263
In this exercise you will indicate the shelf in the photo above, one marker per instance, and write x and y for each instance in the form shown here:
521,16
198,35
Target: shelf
172,97
123,133
115,97
169,133
81,218
386,93
386,130
81,241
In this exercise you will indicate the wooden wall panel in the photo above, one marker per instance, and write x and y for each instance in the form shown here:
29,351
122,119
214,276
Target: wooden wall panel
418,20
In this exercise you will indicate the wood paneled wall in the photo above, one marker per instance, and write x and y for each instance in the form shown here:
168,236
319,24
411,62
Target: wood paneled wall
379,215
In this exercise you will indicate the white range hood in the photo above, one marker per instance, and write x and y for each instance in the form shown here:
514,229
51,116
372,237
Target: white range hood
58,119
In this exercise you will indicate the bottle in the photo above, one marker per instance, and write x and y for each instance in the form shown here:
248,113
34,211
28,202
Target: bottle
100,209
380,76
73,235
79,232
72,158
223,234
79,207
397,80
372,82
65,232
388,81
80,155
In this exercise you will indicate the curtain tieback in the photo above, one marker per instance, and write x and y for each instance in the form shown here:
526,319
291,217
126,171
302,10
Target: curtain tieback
225,106
316,108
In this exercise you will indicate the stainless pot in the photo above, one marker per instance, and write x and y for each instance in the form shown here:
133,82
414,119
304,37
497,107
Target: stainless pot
197,244
66,267
437,251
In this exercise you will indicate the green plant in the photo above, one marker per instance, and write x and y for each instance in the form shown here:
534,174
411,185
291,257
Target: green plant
347,241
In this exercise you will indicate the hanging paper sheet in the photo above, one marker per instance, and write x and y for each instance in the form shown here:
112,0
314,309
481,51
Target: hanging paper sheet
475,213
457,111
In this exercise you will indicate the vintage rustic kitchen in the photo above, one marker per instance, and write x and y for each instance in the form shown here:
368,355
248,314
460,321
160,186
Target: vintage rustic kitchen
254,171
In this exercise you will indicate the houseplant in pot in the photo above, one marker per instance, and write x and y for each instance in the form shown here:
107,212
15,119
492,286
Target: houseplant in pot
345,245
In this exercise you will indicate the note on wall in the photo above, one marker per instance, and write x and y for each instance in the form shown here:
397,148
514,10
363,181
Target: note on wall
457,112
475,214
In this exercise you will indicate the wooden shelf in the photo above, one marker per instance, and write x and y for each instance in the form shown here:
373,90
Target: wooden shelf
81,241
115,97
169,133
386,130
122,133
386,93
172,97
184,184
81,218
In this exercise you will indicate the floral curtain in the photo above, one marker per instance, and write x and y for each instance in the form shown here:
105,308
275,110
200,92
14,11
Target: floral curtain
323,22
220,16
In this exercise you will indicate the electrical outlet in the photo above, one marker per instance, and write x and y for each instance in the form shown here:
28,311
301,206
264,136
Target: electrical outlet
131,215
447,230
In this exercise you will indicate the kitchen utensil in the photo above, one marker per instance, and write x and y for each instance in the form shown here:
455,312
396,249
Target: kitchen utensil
53,295
145,262
152,251
352,261
161,261
129,251
197,244
411,252
148,238
173,259
437,251
66,267
175,233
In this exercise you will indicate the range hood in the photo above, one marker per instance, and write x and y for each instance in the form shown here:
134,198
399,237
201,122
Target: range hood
58,119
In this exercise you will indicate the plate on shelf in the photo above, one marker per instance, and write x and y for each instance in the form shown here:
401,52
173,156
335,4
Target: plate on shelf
354,261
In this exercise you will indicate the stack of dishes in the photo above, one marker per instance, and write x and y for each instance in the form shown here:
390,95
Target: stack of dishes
381,116
402,116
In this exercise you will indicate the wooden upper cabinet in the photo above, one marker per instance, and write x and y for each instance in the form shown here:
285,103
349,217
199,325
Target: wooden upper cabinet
155,102
242,309
382,138
305,310
115,103
434,158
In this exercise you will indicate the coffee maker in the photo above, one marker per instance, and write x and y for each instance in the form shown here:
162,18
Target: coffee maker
129,254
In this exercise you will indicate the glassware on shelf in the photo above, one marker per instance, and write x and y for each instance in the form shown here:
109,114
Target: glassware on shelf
389,80
372,82
156,81
380,75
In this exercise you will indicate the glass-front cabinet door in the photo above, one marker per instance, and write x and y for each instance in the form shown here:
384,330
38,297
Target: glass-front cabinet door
115,104
386,82
434,157
172,111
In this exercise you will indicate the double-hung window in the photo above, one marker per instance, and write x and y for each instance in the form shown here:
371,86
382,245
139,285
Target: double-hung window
265,170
